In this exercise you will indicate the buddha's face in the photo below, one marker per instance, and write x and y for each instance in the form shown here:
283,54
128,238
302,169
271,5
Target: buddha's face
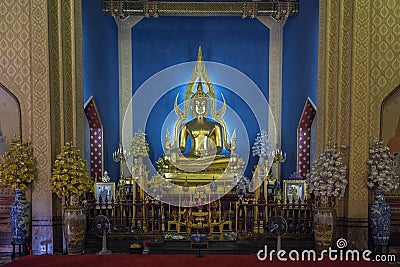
200,106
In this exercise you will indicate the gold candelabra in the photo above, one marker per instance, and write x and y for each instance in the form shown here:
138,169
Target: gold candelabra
279,158
120,156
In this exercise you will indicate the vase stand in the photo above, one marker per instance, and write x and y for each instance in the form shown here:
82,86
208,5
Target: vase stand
23,249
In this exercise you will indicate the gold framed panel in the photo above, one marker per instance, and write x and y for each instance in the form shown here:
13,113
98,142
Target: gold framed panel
105,191
390,124
10,115
294,190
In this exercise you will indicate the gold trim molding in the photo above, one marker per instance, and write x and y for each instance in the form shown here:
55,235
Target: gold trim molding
125,66
275,72
275,9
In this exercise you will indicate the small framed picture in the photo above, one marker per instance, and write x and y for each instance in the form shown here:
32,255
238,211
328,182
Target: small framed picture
294,190
105,191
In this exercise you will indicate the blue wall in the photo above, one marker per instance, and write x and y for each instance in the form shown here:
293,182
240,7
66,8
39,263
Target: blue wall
299,75
100,74
166,41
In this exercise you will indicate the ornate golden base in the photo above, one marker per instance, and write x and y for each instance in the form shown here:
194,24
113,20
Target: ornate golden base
198,179
223,173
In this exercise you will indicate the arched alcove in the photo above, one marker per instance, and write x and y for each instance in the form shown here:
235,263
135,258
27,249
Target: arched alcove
390,134
10,128
10,117
390,120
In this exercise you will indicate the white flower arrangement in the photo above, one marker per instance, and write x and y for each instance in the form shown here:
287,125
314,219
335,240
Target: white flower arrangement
381,168
328,175
262,145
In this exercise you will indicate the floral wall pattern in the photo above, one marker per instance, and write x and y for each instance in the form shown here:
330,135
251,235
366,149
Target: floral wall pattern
24,71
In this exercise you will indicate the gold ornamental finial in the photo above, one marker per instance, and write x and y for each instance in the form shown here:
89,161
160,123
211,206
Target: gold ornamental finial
199,54
199,92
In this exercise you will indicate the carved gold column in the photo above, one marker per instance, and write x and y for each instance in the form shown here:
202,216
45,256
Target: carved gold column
41,139
359,137
333,94
66,72
344,88
66,79
356,55
336,97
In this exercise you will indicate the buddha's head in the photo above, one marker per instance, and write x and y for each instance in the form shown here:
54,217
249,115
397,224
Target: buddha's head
199,102
200,106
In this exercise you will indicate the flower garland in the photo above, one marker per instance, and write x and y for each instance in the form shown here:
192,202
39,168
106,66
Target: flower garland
328,175
70,175
17,168
381,168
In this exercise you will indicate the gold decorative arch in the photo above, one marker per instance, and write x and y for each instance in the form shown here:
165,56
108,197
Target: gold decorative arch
18,106
391,100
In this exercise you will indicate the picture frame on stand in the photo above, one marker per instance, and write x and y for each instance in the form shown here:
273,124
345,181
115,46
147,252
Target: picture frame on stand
104,190
294,190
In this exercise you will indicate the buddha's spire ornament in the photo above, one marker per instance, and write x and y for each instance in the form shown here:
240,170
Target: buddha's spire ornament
199,92
199,54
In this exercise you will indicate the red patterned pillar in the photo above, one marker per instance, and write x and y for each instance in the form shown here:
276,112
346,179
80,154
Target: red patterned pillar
96,139
304,138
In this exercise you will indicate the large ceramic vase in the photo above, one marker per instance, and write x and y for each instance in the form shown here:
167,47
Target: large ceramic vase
74,229
20,218
323,222
379,220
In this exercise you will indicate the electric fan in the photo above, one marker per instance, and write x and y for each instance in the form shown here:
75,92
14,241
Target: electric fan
101,227
278,228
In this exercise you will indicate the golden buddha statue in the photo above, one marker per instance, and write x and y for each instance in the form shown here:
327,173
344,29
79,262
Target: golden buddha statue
206,135
210,154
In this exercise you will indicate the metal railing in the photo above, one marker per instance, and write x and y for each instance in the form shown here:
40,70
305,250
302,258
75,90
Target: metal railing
246,218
